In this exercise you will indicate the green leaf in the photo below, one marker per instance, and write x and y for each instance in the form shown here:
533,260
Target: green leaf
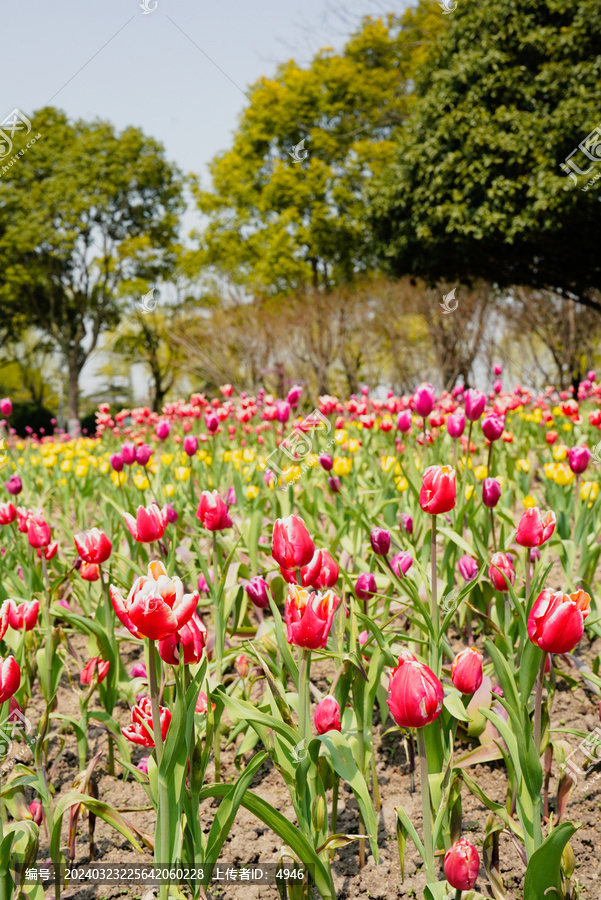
543,875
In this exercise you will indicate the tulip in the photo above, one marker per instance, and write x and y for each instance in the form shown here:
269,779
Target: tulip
202,704
38,532
291,544
466,670
162,430
438,493
37,812
403,421
156,605
89,571
366,586
282,413
498,369
128,453
14,485
380,541
497,386
257,591
117,462
468,567
415,693
309,617
192,637
294,395
23,517
579,458
327,716
10,678
138,670
423,400
4,617
401,563
456,424
322,572
143,454
493,427
242,666
190,444
501,571
49,552
475,401
535,528
407,522
149,524
139,731
325,461
143,765
334,484
461,865
23,616
556,620
93,546
231,498
491,492
6,407
171,513
212,512
86,676
8,513
212,422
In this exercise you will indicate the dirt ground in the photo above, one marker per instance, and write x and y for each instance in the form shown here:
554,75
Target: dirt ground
251,842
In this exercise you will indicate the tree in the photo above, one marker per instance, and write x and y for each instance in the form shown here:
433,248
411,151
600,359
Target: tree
509,90
84,214
286,212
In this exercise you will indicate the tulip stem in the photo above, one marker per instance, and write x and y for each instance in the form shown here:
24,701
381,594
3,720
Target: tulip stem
219,647
154,701
527,576
434,602
426,806
304,721
492,528
334,820
539,702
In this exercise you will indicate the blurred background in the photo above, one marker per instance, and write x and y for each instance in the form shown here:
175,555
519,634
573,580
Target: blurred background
276,193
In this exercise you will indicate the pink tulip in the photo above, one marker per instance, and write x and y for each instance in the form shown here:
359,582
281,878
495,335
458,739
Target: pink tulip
475,401
424,400
327,716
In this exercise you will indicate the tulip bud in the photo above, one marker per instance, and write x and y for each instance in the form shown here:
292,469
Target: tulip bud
326,462
497,386
456,424
322,572
468,567
172,514
407,521
257,591
143,765
117,462
162,430
401,563
491,492
461,865
212,512
498,369
535,528
492,427
10,678
8,513
556,620
438,493
242,666
466,670
579,458
415,693
475,401
334,484
190,444
37,812
14,485
380,541
6,407
291,544
212,422
128,453
501,571
318,812
403,422
327,715
143,454
366,586
424,400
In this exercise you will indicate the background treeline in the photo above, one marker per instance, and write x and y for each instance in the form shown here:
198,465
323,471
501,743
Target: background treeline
430,161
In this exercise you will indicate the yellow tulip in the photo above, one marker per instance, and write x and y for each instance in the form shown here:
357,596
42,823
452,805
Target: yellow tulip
252,491
470,490
340,436
104,466
529,501
118,478
169,490
166,458
522,465
50,461
353,445
248,455
311,460
227,455
182,473
550,469
293,473
66,465
563,475
387,463
589,490
34,460
401,483
567,426
560,452
481,472
81,469
141,481
342,465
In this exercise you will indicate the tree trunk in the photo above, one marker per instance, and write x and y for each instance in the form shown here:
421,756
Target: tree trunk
73,402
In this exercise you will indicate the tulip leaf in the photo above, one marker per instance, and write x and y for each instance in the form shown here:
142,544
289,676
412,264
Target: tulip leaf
452,702
99,808
543,875
456,539
407,826
389,658
345,765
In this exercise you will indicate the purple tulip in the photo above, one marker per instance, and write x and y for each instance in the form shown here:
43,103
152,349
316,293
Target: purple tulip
401,562
325,461
380,541
334,484
491,491
407,522
403,421
257,591
212,421
365,586
468,567
493,426
456,424
143,454
172,514
424,400
117,462
190,444
14,485
128,453
162,430
579,458
475,401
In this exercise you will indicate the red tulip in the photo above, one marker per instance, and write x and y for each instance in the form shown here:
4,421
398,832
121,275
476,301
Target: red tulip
37,811
23,517
501,571
213,512
438,493
192,637
556,620
38,531
89,571
139,731
461,865
8,513
149,524
4,617
309,617
25,615
156,606
535,528
415,693
322,572
50,551
327,716
93,546
291,544
86,676
10,678
202,704
466,670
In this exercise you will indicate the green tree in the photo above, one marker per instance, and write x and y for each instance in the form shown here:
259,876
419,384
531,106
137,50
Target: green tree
282,221
85,213
511,88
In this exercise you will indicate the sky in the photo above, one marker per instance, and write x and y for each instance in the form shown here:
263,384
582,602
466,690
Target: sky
179,70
